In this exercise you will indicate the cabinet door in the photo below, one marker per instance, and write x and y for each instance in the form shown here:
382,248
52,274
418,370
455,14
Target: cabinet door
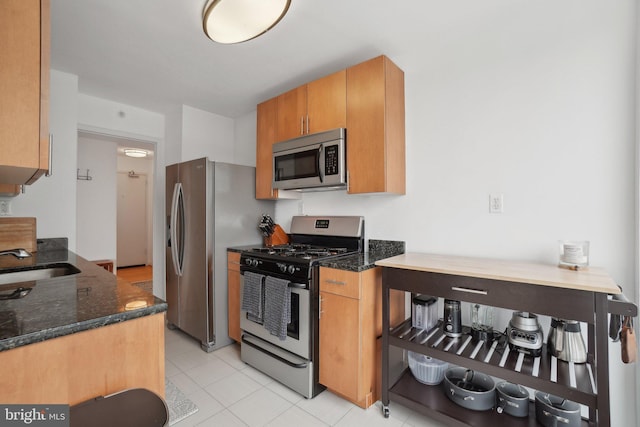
234,297
375,127
265,138
340,282
327,103
292,113
24,85
340,344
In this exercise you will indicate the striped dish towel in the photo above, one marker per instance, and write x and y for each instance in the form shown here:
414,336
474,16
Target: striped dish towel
277,306
252,296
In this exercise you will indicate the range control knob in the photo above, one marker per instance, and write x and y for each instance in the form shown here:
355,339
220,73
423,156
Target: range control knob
291,269
282,267
251,262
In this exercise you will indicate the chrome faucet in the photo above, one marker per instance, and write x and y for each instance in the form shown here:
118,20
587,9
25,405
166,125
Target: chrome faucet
18,253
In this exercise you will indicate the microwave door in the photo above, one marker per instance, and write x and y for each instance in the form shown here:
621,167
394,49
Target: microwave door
298,167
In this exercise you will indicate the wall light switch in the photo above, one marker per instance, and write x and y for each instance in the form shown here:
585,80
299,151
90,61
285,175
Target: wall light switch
496,203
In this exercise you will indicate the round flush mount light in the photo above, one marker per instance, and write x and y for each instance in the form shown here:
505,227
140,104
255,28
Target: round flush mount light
236,21
132,152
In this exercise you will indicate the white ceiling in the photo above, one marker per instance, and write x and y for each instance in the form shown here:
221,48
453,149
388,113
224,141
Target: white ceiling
153,53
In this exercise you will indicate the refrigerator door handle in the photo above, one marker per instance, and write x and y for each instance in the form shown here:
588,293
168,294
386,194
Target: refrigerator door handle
177,248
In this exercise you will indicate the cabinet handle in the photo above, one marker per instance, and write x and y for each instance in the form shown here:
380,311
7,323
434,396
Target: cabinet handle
335,282
50,167
307,123
470,291
320,307
301,125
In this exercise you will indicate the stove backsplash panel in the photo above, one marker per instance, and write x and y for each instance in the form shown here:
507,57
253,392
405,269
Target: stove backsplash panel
387,248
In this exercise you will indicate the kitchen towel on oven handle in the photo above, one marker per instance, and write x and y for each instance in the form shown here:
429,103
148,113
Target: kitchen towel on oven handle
277,306
253,296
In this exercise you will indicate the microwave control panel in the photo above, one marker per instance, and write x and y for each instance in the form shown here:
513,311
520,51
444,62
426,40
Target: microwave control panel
331,160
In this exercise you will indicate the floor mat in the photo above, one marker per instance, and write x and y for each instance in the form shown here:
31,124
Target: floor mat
180,407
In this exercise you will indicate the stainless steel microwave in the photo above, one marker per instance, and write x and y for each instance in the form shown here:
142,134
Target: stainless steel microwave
311,162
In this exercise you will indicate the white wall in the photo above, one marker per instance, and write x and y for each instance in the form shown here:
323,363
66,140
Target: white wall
245,139
52,200
96,114
97,199
543,113
206,134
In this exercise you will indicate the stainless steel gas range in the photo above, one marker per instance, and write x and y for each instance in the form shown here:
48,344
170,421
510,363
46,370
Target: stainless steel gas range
279,316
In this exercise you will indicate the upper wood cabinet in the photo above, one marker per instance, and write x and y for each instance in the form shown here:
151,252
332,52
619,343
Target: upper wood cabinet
314,107
375,127
367,99
24,89
9,190
265,138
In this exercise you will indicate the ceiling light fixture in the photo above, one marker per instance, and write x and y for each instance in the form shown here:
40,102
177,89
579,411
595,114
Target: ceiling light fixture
132,152
236,21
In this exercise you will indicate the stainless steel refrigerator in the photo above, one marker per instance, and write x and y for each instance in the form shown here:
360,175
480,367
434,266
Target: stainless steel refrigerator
210,206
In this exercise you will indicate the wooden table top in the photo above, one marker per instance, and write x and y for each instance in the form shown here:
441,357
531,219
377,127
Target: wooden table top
592,279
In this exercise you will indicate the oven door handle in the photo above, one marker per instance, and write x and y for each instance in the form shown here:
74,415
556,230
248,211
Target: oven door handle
275,356
297,285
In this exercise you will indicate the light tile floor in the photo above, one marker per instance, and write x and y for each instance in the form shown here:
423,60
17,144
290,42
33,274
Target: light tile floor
230,393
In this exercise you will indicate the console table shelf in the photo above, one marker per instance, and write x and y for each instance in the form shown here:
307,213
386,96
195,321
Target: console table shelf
542,289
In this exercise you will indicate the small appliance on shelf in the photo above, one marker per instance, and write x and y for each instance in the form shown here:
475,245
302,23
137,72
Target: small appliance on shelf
424,312
452,318
524,333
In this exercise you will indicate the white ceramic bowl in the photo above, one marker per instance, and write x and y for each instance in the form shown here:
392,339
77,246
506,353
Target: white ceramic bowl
425,369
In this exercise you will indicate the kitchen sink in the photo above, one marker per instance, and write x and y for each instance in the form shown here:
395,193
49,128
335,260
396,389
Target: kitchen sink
39,272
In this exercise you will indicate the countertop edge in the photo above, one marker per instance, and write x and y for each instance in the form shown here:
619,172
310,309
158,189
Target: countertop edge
61,331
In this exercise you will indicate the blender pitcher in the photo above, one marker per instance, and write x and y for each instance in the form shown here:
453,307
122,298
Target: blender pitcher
482,323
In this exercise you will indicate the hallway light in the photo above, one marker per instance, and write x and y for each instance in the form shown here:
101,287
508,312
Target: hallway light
236,21
132,152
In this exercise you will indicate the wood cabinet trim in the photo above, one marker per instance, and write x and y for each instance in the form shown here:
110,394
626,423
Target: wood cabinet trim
234,297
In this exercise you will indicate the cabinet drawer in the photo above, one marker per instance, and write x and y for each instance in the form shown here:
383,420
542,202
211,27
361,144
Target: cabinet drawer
340,282
233,261
559,302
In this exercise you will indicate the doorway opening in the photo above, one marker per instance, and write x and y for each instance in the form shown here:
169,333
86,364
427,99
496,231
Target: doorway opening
115,206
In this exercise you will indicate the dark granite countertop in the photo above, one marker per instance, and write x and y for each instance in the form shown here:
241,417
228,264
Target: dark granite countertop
68,304
244,248
377,250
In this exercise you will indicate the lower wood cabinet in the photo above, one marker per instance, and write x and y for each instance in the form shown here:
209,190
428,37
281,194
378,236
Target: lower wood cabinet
233,294
87,364
350,323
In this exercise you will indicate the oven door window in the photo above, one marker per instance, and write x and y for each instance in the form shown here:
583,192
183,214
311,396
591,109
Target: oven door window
303,164
293,328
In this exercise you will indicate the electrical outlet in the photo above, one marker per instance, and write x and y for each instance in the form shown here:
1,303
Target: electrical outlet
496,203
5,207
